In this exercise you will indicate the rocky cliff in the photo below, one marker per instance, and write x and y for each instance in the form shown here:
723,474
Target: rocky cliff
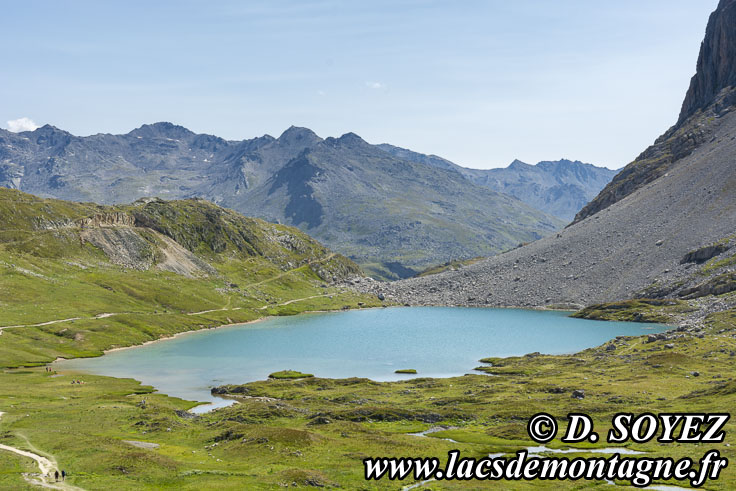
711,95
716,70
664,227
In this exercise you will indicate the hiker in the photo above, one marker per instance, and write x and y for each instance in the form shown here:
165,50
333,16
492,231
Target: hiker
56,475
63,475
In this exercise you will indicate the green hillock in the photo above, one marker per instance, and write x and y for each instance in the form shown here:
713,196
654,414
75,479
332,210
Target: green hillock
289,375
637,310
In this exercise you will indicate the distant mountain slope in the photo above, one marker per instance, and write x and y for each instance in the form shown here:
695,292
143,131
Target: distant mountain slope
657,238
393,215
560,188
368,204
710,95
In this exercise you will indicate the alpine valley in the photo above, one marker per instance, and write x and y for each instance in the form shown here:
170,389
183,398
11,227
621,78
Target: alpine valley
114,241
393,211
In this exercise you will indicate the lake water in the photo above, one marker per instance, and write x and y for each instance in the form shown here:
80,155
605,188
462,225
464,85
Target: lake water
373,343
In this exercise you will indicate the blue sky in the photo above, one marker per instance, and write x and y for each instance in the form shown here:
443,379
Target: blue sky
477,82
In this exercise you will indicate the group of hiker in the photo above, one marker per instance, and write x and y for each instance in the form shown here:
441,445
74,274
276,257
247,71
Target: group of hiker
62,475
50,370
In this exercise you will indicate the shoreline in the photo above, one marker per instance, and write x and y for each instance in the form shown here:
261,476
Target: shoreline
211,405
234,324
260,319
174,336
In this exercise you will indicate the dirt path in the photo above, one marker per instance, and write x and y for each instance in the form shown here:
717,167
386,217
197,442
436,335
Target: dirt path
213,310
226,307
58,321
47,466
48,323
281,275
294,300
110,314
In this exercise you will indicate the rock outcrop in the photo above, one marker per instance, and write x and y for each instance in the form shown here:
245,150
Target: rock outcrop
115,219
702,254
716,69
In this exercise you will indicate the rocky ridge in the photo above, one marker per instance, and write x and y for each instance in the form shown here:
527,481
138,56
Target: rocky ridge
560,188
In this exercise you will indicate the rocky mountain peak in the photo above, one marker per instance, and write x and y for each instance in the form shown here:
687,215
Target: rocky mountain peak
51,136
716,69
564,165
298,134
518,165
162,129
351,138
48,129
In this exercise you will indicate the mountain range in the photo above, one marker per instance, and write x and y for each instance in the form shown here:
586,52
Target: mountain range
393,211
560,188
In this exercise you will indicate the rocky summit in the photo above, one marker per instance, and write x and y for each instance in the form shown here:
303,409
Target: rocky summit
662,228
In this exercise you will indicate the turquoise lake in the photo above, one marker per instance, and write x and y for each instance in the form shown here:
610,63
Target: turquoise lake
373,343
